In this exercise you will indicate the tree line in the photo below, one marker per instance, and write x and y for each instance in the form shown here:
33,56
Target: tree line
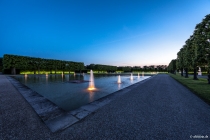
1,64
108,68
14,64
195,52
99,67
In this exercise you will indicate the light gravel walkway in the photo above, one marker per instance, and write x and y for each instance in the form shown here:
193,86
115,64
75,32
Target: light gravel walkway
159,108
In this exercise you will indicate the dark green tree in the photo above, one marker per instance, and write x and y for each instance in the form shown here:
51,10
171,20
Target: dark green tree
180,61
202,43
172,66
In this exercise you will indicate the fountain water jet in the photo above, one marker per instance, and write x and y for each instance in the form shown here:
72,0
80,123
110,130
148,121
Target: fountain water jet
91,83
25,76
62,75
131,76
138,75
119,80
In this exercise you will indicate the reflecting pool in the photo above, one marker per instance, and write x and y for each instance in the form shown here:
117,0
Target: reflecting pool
70,91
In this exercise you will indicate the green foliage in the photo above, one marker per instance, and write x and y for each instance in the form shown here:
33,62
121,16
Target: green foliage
125,69
99,67
1,64
180,60
196,51
136,69
107,68
172,66
24,63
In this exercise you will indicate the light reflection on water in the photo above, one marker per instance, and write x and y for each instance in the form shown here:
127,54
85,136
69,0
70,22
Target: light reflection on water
67,95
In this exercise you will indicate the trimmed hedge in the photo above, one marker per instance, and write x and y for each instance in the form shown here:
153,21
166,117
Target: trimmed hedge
13,64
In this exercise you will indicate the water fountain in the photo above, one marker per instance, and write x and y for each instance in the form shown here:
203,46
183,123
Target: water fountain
131,76
62,76
119,80
46,77
91,82
138,75
25,76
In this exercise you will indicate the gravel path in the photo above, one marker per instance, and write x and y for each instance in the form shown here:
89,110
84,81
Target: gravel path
159,108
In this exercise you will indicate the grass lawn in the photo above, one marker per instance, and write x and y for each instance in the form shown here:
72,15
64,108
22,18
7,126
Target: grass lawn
199,87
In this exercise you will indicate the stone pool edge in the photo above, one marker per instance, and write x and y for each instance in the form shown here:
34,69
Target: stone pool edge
58,119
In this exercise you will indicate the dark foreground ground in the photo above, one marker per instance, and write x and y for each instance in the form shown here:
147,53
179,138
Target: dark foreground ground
159,108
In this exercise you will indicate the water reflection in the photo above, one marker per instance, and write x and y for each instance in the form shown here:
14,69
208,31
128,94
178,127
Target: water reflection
25,76
119,86
46,78
91,95
62,77
68,94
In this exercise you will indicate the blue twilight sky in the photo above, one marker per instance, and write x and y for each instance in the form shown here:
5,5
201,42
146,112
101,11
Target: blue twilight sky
110,32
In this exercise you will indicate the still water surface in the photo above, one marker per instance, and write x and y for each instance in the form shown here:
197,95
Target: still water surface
61,90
